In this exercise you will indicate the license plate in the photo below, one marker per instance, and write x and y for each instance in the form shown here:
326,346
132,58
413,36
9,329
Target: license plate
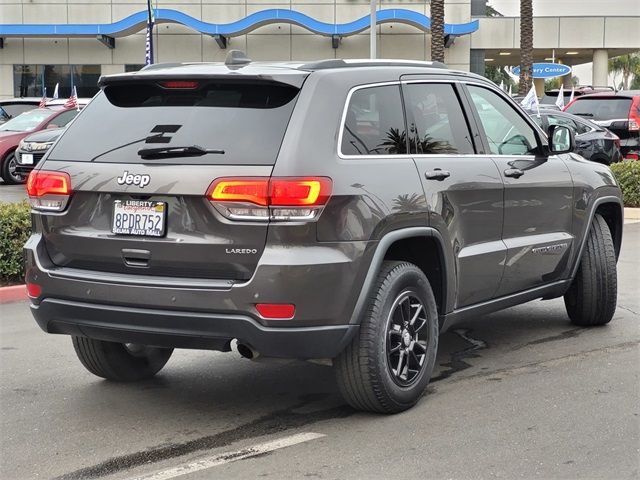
26,159
139,217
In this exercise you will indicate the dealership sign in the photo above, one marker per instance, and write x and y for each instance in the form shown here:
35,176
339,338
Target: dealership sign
546,70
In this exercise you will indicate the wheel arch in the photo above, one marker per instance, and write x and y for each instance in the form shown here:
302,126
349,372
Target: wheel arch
612,210
422,246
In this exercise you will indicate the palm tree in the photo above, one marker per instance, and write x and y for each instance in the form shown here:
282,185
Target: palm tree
526,45
437,30
627,65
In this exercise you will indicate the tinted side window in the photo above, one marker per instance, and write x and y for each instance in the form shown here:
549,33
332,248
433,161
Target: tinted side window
506,131
436,122
565,122
583,127
64,118
374,124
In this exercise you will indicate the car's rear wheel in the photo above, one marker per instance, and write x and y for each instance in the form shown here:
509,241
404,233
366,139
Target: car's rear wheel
387,366
9,173
591,298
118,361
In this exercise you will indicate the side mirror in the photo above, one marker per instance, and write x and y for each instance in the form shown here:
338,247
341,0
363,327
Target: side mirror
561,139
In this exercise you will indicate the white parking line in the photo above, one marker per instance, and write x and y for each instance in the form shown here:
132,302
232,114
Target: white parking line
232,456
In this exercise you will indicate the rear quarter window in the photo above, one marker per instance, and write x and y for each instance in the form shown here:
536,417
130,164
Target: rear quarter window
247,120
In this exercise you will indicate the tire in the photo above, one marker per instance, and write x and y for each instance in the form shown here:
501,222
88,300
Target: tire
9,174
119,362
591,298
365,370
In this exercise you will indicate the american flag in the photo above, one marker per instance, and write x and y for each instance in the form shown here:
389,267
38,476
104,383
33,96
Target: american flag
43,102
73,99
149,46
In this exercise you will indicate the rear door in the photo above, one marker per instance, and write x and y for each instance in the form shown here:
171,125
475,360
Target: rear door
146,214
463,189
538,195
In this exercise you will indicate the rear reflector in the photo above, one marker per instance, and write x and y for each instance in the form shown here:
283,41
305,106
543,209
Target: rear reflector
276,311
33,290
276,198
49,190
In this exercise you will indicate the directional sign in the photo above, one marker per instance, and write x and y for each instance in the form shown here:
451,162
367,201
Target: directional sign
546,70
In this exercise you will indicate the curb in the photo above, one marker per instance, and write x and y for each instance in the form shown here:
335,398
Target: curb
631,213
15,293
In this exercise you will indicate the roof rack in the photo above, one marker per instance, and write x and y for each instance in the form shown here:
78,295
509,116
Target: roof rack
338,63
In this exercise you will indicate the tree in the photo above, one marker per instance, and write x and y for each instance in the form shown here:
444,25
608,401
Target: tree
497,75
437,30
526,46
628,65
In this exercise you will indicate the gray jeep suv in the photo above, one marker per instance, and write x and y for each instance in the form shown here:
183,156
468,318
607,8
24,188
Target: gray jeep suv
335,211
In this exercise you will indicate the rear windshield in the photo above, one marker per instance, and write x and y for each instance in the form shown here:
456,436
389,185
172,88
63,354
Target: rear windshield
551,97
601,108
246,121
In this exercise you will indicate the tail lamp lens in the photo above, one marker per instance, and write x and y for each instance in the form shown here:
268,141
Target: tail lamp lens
276,198
276,311
49,191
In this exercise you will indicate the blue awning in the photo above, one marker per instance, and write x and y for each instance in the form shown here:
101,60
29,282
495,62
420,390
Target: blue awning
136,22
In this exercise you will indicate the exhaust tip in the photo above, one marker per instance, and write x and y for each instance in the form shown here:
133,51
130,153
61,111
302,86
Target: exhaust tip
247,352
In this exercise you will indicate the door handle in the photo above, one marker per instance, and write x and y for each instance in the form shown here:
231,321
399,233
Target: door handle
513,172
437,174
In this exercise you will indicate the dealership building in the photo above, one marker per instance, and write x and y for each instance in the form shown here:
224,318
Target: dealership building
73,42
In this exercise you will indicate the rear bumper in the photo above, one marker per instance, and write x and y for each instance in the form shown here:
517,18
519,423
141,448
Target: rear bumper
322,282
188,329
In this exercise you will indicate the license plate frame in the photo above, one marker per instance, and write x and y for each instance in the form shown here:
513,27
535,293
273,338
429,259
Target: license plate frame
139,218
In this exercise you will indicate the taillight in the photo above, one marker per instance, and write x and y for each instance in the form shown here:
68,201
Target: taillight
277,198
49,191
634,115
632,156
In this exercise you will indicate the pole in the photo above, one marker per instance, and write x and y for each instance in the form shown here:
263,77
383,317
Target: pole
372,33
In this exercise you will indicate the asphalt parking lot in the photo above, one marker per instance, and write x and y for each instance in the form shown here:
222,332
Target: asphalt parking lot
517,394
12,193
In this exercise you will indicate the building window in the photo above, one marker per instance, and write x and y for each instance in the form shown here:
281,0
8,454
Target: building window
28,80
133,67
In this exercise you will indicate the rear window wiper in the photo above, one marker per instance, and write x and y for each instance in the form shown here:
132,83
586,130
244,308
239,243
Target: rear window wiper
171,152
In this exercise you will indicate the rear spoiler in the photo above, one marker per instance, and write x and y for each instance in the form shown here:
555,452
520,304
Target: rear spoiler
295,80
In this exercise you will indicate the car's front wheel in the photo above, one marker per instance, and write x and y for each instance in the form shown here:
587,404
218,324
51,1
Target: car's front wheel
591,298
387,366
118,361
9,172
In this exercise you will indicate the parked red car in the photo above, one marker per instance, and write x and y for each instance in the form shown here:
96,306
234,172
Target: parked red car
26,123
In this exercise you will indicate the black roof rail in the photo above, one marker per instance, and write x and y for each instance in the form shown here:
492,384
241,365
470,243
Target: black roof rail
339,63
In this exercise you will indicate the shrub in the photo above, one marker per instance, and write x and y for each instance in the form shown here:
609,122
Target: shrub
627,174
15,228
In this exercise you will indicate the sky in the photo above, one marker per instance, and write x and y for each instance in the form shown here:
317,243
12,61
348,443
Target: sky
550,8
